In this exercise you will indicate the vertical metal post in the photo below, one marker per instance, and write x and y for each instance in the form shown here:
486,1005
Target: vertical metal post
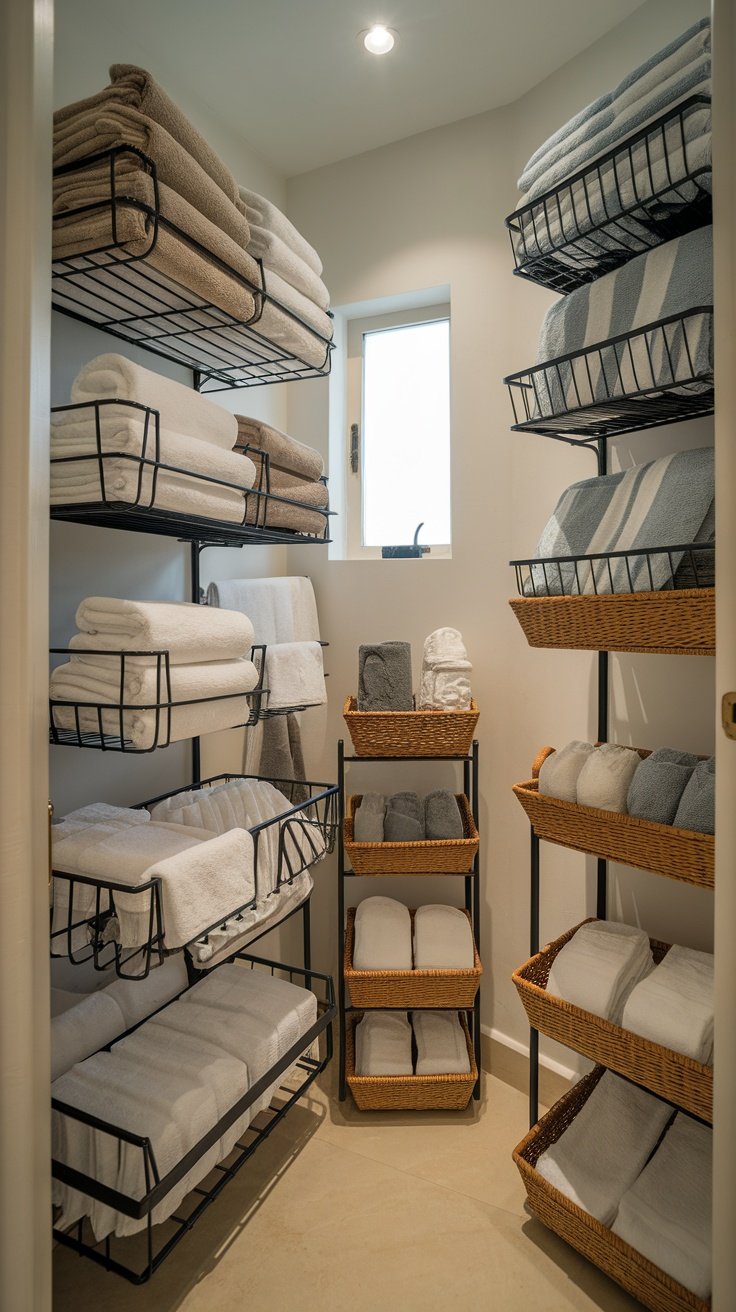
533,949
476,912
342,1088
601,898
307,941
194,550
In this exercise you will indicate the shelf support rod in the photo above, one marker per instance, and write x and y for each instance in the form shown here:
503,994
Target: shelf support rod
601,895
194,550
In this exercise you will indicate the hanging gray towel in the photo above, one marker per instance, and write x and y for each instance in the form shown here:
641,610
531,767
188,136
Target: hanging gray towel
404,819
658,785
442,818
368,822
697,809
384,677
281,755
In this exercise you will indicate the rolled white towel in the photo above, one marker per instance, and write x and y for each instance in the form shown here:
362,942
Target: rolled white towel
559,772
382,935
280,609
443,939
441,1045
446,670
599,966
604,779
190,633
673,1006
383,1044
295,675
80,1030
666,1214
604,1148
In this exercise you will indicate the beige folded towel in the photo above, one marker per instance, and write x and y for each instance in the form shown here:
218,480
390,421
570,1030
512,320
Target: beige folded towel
286,455
279,259
266,215
273,513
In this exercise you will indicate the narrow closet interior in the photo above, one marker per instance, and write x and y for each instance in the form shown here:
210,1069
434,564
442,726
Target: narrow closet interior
381,682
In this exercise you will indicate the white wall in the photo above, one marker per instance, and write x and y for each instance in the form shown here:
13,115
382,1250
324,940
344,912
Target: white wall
426,211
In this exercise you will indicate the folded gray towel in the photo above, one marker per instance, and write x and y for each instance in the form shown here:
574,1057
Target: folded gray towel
671,754
697,809
404,819
368,822
658,784
384,677
442,818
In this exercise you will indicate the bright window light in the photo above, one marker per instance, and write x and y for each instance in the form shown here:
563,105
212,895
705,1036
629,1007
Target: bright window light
406,434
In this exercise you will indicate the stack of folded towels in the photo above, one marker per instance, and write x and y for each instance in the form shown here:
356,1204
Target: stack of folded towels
172,1081
599,966
442,938
194,435
653,1191
407,818
667,787
207,658
293,475
383,1044
385,678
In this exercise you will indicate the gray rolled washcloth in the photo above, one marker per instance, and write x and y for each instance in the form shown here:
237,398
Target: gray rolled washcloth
384,677
442,818
404,819
658,784
697,809
368,819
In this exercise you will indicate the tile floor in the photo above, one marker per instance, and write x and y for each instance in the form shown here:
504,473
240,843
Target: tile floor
416,1213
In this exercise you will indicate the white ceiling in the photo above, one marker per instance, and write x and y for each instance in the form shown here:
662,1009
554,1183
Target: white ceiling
293,78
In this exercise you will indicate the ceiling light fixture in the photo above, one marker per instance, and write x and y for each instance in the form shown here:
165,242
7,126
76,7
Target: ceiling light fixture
379,40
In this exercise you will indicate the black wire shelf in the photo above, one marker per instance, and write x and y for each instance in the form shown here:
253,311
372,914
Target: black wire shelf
606,573
658,374
126,295
653,187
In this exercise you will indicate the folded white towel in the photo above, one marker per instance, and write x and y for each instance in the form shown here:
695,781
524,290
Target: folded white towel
383,1044
139,998
83,897
599,966
559,772
189,632
674,1005
281,259
604,1148
443,939
441,1045
273,323
445,677
667,1213
182,410
123,482
236,934
62,1000
295,675
280,609
263,213
97,812
605,777
382,935
79,1031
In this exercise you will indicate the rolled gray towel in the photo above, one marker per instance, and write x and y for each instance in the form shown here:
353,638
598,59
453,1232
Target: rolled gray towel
384,677
404,819
368,821
697,809
442,818
671,755
658,785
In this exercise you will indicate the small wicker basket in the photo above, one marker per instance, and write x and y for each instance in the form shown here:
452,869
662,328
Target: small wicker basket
630,1269
669,1074
445,856
680,622
421,1093
410,733
408,988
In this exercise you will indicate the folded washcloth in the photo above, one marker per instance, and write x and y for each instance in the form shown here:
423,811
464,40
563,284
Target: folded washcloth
368,819
383,1044
279,609
560,771
697,808
382,935
81,1029
443,939
605,777
666,1214
189,632
441,1045
442,818
286,456
295,675
384,677
403,821
599,966
673,1006
603,1150
658,784
445,679
266,215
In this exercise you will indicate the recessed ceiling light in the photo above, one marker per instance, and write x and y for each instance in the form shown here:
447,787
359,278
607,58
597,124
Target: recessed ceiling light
379,40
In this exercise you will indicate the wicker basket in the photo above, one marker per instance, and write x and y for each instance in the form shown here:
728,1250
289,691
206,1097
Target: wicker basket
681,622
408,988
445,856
420,1093
661,849
410,733
652,1286
671,1075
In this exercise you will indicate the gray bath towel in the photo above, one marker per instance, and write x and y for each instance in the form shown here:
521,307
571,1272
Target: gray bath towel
658,785
442,818
384,677
697,809
368,822
404,819
281,755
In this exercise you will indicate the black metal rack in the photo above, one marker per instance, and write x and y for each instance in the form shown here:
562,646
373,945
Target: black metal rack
603,573
471,882
125,295
651,188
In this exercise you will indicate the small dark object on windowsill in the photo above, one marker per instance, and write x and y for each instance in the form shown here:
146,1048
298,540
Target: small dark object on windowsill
412,552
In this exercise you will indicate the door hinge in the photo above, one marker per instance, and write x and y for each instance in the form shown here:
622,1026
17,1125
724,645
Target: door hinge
354,449
728,714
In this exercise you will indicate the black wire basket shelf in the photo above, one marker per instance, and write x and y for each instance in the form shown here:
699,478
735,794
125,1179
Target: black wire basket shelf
606,573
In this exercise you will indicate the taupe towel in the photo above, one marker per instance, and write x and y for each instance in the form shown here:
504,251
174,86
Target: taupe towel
286,455
282,757
272,513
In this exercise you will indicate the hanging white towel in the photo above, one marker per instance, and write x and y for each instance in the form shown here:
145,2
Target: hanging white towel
280,609
599,966
674,1005
295,675
441,1045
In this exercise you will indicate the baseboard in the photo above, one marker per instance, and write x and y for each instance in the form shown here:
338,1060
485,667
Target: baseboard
507,1059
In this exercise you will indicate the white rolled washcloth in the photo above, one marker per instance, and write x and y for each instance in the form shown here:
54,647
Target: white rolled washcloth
667,1212
443,939
280,609
189,632
182,410
560,771
382,935
604,1148
605,777
383,1044
673,1006
445,678
441,1045
599,966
